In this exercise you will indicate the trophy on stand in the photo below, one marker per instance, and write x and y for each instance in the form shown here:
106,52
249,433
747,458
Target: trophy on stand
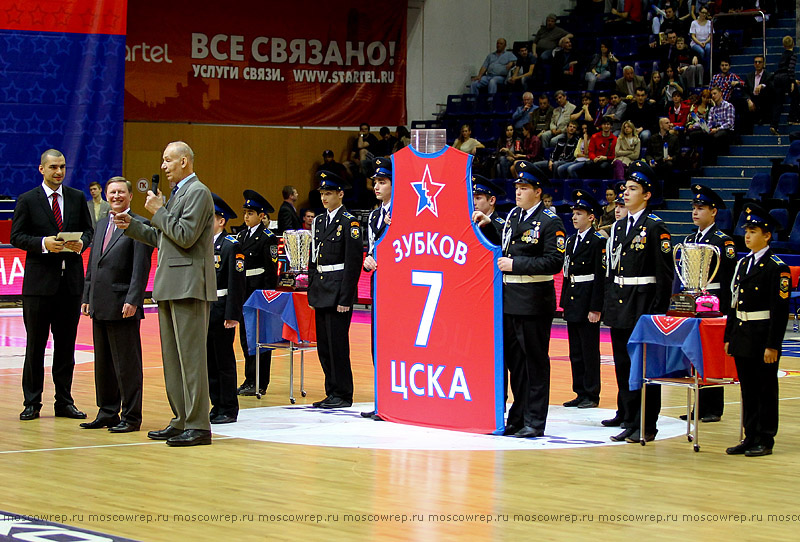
296,244
693,269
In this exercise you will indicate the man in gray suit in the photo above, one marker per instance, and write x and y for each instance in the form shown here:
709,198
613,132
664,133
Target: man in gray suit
185,283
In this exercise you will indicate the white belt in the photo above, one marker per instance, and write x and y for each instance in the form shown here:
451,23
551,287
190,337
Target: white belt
713,286
634,281
526,278
329,268
254,272
222,293
581,278
752,315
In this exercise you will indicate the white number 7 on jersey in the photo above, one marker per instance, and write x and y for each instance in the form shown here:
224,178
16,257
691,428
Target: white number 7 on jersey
432,279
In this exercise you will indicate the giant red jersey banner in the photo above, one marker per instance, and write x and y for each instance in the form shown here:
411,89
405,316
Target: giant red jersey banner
314,63
438,302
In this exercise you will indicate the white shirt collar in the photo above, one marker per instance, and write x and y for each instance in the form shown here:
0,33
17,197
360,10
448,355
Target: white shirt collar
253,229
527,214
758,255
49,191
332,214
216,236
636,216
702,234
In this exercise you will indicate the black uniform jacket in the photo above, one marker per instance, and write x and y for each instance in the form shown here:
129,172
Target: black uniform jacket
338,245
260,252
537,247
584,277
230,266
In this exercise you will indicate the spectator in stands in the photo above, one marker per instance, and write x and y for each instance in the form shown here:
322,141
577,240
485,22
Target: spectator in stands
688,64
700,32
520,75
666,21
628,83
562,154
402,138
363,148
559,120
573,169
494,70
697,5
757,90
329,163
505,143
672,83
547,38
547,202
678,113
661,152
667,51
586,114
601,150
606,221
654,88
698,112
643,115
385,143
542,116
522,114
603,107
627,150
531,146
721,119
627,21
98,207
602,67
616,110
565,66
465,142
784,82
308,218
726,80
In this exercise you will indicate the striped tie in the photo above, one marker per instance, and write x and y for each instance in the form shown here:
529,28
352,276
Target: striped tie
57,212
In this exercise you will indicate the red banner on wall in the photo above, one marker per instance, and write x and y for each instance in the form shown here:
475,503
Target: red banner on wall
315,63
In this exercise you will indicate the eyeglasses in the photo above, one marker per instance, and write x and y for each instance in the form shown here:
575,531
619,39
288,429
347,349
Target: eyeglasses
758,61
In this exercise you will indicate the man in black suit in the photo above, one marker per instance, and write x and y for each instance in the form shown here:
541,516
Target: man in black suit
758,93
334,267
287,214
582,300
53,284
113,296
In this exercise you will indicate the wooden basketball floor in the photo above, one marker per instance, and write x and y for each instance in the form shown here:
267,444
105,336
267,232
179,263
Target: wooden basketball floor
94,478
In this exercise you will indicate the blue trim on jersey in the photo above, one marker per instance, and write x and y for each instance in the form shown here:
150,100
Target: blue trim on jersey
426,155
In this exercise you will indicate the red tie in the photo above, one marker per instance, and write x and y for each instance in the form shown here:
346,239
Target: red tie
57,212
109,233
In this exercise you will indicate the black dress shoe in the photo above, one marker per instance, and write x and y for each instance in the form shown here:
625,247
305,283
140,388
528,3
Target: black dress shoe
317,404
70,411
29,413
616,421
587,403
711,418
221,418
336,402
245,384
529,432
684,417
247,390
191,437
369,414
573,403
99,423
124,427
625,434
510,430
164,434
636,437
376,418
740,448
758,450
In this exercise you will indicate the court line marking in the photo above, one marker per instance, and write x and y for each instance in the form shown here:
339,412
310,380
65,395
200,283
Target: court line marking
730,403
96,446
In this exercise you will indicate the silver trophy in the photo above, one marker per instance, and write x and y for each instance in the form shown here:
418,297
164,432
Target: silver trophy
693,268
297,245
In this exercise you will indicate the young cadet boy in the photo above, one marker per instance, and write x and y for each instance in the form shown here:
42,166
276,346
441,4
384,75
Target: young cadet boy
754,332
484,199
378,220
582,300
226,312
334,268
641,283
533,244
260,249
705,205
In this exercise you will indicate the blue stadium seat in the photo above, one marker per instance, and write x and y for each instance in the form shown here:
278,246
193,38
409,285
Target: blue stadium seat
760,186
782,216
788,186
557,191
455,106
793,244
724,220
566,218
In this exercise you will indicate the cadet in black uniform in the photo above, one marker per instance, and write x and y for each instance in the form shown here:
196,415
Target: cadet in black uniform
484,198
754,332
376,224
226,312
582,300
640,283
533,243
705,205
333,271
260,249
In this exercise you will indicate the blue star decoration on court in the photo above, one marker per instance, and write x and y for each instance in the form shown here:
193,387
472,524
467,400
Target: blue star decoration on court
424,189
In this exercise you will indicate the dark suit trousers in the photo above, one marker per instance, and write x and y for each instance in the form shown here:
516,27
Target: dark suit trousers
265,359
118,369
759,385
333,349
584,356
629,403
42,314
222,370
527,341
712,402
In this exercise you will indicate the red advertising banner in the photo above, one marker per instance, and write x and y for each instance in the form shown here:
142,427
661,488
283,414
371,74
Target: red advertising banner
315,63
438,302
